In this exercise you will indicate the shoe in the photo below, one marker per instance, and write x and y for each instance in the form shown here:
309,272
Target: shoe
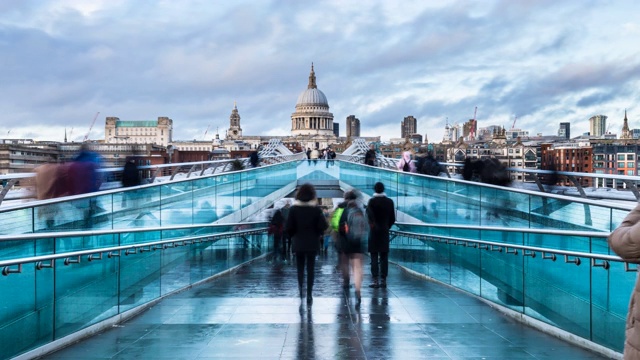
358,299
375,284
383,284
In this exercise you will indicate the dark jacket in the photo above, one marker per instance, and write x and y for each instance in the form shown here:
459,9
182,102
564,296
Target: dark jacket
382,215
130,175
254,159
370,157
347,246
305,225
277,224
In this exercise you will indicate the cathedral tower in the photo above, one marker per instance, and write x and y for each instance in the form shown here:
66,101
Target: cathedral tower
235,131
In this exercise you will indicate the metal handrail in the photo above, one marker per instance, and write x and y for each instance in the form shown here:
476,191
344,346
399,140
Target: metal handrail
74,257
580,200
66,234
569,256
225,166
631,181
118,190
597,234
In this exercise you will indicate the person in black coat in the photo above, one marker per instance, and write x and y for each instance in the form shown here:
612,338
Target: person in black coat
306,225
382,215
130,177
370,156
130,174
276,229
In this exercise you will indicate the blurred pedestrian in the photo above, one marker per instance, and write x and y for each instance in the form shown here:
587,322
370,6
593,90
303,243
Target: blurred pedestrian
370,156
83,171
355,227
130,177
254,159
382,215
85,178
276,227
315,154
305,225
341,242
131,174
286,239
625,241
405,164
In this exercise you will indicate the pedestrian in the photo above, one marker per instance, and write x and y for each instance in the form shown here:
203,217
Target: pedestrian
355,227
84,168
130,177
315,154
341,241
382,215
130,174
405,164
286,239
305,225
254,159
332,156
370,156
625,241
84,178
276,227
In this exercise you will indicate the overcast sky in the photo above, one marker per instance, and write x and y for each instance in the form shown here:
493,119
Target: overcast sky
540,62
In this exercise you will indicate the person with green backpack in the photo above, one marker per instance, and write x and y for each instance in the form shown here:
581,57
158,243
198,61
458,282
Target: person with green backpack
340,240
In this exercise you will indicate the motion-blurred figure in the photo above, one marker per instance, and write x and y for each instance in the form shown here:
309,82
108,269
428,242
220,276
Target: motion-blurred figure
405,164
130,174
83,171
276,226
370,156
254,159
84,178
625,241
305,225
355,228
51,182
337,222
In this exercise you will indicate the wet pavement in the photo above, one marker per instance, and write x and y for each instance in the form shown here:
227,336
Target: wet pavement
255,313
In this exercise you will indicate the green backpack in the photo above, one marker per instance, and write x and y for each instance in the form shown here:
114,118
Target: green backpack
335,219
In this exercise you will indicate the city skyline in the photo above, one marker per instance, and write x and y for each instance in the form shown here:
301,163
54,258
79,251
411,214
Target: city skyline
542,62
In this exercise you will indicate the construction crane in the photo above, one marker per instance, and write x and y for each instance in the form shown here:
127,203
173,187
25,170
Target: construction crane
86,137
204,137
513,126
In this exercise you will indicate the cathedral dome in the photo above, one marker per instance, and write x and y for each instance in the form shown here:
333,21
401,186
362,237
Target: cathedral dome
311,97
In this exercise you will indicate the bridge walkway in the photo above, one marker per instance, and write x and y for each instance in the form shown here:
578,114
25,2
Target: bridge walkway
255,313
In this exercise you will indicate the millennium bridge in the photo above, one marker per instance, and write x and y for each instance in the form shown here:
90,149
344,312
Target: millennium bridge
179,268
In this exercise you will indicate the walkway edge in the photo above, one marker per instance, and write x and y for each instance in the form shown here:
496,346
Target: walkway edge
117,319
528,320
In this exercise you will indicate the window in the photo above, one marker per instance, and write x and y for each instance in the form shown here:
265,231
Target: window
630,172
620,165
630,165
629,156
621,157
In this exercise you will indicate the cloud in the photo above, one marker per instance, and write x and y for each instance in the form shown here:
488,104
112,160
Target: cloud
542,61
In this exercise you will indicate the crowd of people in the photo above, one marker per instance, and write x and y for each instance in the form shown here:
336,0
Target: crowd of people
325,154
351,227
